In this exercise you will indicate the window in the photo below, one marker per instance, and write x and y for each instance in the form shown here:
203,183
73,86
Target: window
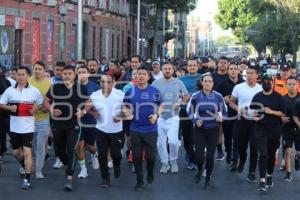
62,40
112,45
18,47
100,42
94,42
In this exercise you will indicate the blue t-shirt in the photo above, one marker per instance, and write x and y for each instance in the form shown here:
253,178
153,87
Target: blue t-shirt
206,107
190,82
144,102
88,118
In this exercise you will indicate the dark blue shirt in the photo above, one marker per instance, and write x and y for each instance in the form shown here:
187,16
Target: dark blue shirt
144,102
90,88
206,107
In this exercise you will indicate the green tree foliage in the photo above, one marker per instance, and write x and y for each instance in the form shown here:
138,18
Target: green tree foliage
274,23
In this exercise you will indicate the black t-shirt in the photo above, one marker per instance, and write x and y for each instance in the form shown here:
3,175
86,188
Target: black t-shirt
296,109
225,88
218,79
67,100
4,84
290,103
273,101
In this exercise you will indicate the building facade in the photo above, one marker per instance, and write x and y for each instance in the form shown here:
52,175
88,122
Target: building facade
46,30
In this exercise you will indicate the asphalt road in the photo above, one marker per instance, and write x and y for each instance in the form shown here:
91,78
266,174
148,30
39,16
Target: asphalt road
225,185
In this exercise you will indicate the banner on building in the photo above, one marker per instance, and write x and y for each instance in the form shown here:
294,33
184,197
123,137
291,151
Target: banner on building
35,40
7,46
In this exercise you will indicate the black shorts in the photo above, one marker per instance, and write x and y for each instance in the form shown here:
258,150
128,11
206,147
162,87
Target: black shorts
290,137
19,140
88,135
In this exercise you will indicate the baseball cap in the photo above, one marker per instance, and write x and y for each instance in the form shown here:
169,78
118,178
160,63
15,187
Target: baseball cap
284,66
267,76
156,63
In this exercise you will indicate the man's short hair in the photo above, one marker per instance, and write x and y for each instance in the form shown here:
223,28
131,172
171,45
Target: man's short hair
28,72
60,64
137,56
69,67
40,63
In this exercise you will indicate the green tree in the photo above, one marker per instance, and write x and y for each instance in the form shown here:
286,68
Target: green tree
274,23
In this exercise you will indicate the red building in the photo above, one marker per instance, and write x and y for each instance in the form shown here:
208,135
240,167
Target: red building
46,30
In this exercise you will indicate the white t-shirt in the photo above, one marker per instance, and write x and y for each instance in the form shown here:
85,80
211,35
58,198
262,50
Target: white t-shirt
22,121
244,93
108,107
158,76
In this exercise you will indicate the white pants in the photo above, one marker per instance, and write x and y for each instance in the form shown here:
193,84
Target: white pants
168,131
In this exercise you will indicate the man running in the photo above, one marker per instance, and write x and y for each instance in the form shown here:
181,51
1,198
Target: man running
173,91
88,122
23,101
186,125
290,130
269,108
42,125
109,135
144,101
229,124
240,101
63,100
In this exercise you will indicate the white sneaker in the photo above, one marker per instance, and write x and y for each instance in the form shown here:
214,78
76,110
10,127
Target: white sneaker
58,164
165,168
83,174
39,175
204,173
95,162
110,164
174,167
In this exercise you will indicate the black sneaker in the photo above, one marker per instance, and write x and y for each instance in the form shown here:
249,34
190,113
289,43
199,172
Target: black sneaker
240,167
233,167
206,185
105,183
47,157
117,172
288,177
251,178
68,185
297,163
197,178
150,178
220,156
139,186
262,186
270,183
228,158
1,159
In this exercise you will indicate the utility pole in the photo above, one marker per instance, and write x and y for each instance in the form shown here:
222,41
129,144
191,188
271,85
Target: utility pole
79,30
138,28
164,31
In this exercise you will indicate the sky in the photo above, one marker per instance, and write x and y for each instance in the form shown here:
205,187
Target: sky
206,9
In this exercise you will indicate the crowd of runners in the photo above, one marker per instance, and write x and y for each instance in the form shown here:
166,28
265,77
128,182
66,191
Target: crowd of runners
138,110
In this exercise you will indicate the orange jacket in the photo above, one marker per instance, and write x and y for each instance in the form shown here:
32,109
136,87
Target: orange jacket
280,86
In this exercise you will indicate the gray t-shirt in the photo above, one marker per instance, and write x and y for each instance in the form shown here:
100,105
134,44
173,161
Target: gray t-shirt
170,91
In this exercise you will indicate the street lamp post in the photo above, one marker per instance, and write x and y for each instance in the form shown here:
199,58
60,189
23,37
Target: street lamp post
138,28
79,30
